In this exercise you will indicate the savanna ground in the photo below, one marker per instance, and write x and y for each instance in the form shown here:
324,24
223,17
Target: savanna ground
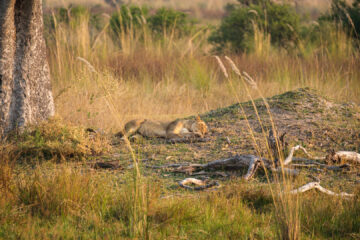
50,190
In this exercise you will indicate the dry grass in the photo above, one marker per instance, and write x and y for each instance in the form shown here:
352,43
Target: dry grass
195,86
175,78
64,202
52,140
102,82
186,4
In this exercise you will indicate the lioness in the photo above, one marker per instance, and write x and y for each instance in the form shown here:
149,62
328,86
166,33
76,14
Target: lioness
179,128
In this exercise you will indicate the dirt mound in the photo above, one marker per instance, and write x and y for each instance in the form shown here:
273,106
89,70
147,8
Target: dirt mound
316,123
306,117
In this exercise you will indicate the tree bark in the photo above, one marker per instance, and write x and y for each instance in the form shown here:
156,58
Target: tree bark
25,89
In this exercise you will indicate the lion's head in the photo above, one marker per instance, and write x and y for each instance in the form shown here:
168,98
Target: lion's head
199,127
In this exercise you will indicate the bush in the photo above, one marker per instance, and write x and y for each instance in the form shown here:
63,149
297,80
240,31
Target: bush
348,16
236,32
54,140
128,18
74,17
64,14
168,20
324,37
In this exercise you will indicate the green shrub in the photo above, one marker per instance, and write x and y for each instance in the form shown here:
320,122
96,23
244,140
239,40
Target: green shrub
65,14
346,15
73,16
128,18
324,37
236,32
169,20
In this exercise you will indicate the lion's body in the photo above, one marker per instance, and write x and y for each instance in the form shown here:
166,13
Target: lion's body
175,129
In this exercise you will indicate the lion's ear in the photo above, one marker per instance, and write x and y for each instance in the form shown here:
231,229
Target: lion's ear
198,118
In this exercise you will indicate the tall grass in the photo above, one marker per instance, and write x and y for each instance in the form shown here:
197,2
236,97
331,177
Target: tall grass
102,80
64,202
171,77
286,205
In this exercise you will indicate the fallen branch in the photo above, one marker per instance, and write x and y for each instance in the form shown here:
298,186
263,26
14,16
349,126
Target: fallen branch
187,140
201,185
312,163
107,165
234,163
175,165
217,173
253,166
341,156
252,163
298,147
288,159
332,157
316,185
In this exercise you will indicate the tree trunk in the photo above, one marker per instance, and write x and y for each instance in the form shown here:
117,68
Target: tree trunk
25,90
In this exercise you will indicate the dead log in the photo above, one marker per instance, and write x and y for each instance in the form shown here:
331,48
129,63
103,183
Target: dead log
237,162
252,163
233,163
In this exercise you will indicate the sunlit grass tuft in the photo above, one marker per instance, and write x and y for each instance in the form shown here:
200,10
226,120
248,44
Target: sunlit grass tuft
101,81
54,140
